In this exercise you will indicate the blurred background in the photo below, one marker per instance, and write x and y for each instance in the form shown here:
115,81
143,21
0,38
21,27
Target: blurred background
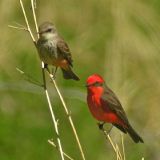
117,39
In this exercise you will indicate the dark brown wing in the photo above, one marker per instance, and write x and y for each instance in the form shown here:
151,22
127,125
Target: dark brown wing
110,100
63,49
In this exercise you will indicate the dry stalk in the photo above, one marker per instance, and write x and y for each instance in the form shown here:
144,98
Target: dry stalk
123,149
54,145
55,122
60,95
114,146
68,114
20,27
26,20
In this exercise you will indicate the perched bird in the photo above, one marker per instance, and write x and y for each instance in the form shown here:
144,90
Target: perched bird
105,106
53,50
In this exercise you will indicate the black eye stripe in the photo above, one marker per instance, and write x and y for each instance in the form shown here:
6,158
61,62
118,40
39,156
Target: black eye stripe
49,30
97,84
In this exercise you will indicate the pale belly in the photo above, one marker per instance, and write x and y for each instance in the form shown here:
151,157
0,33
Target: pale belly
48,52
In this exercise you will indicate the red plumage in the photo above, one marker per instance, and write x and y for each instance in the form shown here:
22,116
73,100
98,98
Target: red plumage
105,106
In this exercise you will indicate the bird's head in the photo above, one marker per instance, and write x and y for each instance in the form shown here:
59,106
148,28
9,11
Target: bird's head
47,30
94,81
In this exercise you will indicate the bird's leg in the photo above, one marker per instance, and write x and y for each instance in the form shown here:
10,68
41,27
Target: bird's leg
54,72
46,67
100,125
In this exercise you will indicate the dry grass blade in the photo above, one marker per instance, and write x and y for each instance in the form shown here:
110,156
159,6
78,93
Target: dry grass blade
114,146
33,2
26,20
44,80
123,149
54,145
45,88
29,78
19,28
68,115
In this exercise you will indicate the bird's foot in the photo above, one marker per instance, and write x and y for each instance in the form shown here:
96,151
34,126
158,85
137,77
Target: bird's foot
100,125
54,73
46,67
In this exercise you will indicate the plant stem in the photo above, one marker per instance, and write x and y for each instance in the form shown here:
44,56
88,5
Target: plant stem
68,115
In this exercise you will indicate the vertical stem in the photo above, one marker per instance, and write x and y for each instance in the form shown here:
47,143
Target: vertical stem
25,17
52,114
70,120
69,116
115,147
66,155
46,92
122,141
34,15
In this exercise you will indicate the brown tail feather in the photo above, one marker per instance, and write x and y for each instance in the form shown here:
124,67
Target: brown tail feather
68,74
136,138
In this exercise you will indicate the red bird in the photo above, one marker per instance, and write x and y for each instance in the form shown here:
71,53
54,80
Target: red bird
105,106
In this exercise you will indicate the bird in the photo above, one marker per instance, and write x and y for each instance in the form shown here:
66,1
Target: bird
105,106
53,50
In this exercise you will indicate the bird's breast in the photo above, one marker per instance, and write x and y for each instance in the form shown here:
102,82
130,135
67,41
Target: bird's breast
95,107
100,110
48,51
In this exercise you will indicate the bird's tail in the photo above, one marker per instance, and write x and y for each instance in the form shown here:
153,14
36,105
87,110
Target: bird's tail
136,138
68,74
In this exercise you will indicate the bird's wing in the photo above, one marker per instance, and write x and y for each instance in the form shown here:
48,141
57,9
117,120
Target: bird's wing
63,49
110,101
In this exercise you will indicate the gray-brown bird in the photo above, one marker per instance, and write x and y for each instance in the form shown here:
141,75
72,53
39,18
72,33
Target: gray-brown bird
53,50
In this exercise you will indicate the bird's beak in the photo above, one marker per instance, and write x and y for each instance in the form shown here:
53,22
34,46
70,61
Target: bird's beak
88,85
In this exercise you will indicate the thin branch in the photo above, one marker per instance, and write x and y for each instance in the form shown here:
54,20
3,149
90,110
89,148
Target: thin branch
54,145
119,152
52,114
68,115
48,100
44,80
20,25
26,20
123,149
118,158
29,78
46,92
115,147
19,28
33,2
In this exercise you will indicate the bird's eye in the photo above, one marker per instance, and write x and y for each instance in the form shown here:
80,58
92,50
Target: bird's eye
49,30
97,84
